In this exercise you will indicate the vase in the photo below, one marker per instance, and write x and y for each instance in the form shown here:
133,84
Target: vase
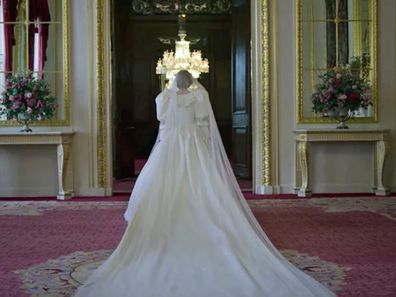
25,120
341,115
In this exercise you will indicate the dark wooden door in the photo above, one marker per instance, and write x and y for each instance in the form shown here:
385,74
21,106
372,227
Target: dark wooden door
241,91
136,48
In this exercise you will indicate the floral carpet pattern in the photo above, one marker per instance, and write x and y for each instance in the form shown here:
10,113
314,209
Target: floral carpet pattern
48,248
31,208
62,276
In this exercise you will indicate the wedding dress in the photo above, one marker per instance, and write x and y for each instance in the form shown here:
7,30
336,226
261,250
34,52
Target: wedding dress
190,232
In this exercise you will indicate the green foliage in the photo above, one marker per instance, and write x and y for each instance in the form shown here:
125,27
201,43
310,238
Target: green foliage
360,66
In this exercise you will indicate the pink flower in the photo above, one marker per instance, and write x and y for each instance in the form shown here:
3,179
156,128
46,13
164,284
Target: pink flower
39,104
11,98
338,75
331,81
329,93
31,102
342,97
15,106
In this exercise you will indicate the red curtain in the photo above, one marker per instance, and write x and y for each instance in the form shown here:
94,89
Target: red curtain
38,12
9,15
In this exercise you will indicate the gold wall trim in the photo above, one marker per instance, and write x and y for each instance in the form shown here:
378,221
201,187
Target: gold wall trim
100,89
66,61
91,82
300,118
266,108
66,76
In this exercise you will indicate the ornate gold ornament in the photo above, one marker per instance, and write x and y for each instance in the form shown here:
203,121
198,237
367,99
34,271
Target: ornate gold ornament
181,6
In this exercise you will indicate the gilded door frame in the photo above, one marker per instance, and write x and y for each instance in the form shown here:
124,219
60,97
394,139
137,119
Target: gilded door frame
262,98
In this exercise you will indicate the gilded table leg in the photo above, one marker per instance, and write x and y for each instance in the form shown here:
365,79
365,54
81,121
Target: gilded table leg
63,163
303,156
380,158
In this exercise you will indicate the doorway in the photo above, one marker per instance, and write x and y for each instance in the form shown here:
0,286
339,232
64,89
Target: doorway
139,39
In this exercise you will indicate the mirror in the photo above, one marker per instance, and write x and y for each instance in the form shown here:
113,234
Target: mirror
33,39
335,34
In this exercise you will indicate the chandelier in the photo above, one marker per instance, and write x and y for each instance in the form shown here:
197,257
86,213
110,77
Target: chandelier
182,58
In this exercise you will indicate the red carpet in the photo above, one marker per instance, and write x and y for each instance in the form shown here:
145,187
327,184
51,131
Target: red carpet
349,244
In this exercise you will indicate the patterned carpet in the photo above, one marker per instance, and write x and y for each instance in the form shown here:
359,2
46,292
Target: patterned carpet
349,244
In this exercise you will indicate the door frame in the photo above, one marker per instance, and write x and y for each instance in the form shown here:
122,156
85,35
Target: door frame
263,115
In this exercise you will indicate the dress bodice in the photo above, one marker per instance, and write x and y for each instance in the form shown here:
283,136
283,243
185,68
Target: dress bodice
185,114
189,110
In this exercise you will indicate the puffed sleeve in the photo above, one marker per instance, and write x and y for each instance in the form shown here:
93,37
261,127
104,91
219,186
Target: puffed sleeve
202,117
161,102
202,112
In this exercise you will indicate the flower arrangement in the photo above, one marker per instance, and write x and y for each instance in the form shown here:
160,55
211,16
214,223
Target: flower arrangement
27,97
340,89
340,93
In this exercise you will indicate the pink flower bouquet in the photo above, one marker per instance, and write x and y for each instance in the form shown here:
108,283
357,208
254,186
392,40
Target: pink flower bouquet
27,96
339,89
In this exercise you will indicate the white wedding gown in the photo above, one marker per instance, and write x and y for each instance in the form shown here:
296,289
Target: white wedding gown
186,236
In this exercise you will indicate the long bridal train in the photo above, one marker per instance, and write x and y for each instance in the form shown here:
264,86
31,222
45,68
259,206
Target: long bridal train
190,232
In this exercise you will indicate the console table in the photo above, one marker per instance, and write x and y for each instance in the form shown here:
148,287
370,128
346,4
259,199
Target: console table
63,142
305,137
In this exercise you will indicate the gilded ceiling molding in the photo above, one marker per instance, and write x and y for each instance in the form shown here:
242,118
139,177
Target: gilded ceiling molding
181,6
100,89
266,116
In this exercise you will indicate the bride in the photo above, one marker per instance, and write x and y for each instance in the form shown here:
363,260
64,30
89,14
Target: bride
190,231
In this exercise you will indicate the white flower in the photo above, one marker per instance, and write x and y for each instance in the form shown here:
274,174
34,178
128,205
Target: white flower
342,97
29,110
28,95
338,75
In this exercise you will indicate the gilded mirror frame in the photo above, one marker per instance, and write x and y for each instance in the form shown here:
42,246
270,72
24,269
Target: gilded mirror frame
300,117
65,75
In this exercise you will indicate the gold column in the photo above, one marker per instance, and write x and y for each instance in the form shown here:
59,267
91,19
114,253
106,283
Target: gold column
266,115
100,89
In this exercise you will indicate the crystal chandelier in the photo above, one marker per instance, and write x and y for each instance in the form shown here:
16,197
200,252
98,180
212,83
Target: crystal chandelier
182,58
